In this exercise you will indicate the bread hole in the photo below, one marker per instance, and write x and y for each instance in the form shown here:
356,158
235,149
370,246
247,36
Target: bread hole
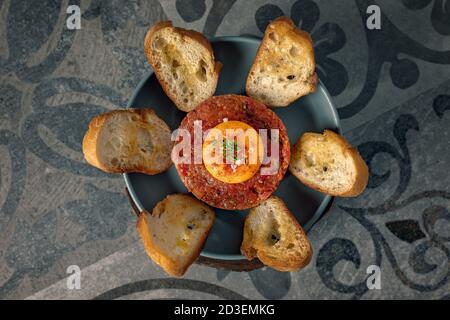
175,63
273,36
291,77
183,87
274,235
146,150
159,43
134,118
274,238
201,74
325,168
191,226
290,246
294,51
185,100
309,160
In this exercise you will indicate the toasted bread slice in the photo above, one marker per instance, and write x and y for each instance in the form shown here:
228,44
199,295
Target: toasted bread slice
131,140
272,234
328,163
174,233
284,68
183,61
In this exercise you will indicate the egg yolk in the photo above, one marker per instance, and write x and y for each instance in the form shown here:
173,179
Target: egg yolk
232,152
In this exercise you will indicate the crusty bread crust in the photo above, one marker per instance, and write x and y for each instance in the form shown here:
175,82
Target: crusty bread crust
362,172
192,34
284,25
91,138
253,246
170,265
90,142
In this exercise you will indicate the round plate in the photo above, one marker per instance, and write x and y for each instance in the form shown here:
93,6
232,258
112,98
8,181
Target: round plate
314,112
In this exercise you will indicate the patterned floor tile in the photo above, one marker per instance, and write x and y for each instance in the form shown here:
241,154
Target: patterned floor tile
390,86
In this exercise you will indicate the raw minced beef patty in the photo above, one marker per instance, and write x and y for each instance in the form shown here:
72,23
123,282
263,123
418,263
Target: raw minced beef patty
242,195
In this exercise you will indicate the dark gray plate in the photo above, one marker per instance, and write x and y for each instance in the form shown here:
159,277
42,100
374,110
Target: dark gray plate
314,112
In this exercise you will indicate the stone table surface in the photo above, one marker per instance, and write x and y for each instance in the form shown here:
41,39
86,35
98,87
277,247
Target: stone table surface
392,90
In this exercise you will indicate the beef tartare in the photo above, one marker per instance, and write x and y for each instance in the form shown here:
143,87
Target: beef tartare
239,184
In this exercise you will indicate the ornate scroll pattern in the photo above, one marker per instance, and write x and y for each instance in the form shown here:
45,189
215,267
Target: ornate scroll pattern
408,230
23,41
66,123
385,46
440,14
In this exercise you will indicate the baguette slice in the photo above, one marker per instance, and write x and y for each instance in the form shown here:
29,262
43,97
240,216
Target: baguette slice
174,233
328,163
183,61
272,234
131,140
284,67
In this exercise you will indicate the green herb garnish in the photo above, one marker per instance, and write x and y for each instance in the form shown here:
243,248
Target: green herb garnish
230,149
